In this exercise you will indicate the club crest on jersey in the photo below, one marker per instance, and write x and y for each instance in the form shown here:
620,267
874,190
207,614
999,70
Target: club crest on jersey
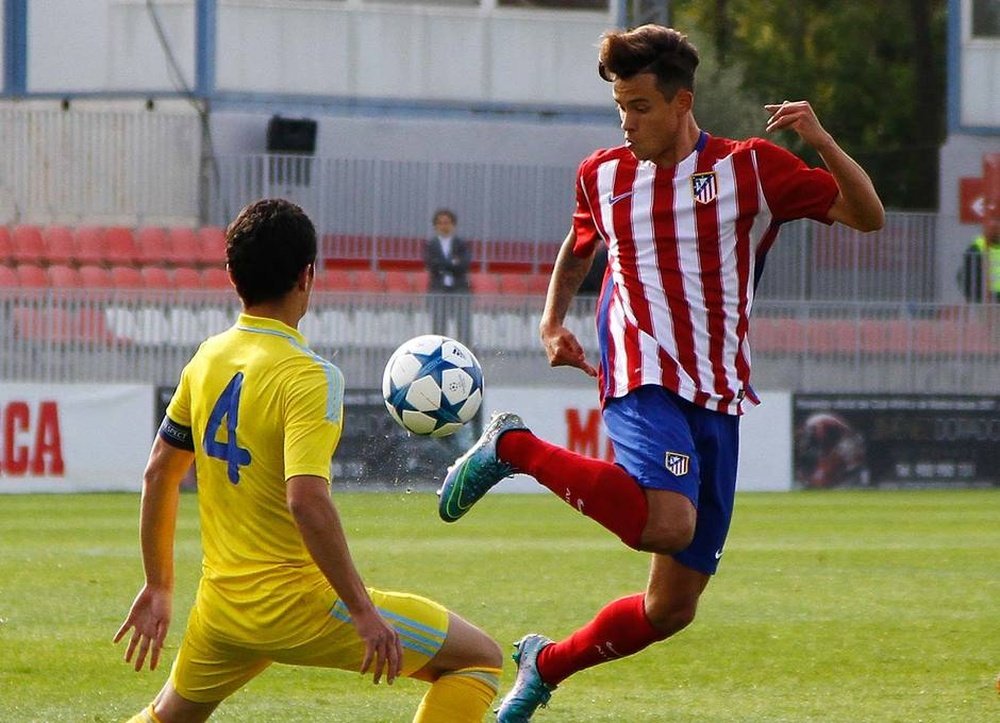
703,187
678,464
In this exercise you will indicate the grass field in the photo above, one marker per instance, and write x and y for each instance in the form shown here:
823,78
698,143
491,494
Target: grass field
837,606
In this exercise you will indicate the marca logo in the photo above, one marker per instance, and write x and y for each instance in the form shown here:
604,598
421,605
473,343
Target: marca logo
678,464
703,187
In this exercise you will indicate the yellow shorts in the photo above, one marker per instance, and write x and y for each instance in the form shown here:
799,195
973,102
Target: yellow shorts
210,668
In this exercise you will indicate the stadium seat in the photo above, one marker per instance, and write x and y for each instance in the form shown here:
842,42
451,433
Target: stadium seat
120,246
32,276
126,277
213,244
336,279
62,276
95,277
156,277
186,277
538,284
29,247
152,245
484,282
6,246
184,247
399,282
215,277
8,277
368,281
89,245
60,247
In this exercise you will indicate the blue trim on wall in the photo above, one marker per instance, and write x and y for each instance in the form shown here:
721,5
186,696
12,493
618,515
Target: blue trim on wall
205,47
15,30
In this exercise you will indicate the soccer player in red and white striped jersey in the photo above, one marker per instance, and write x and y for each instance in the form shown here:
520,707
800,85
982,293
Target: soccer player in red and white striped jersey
687,219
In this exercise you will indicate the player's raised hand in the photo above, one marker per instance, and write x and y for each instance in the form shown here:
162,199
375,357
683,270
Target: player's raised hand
383,648
563,349
798,116
149,620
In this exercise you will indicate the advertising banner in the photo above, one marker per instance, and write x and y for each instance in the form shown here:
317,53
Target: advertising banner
895,440
73,437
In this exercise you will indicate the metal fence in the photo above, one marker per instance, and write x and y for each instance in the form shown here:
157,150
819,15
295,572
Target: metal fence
105,336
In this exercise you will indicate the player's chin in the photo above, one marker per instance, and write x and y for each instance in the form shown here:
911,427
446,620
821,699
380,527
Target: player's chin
638,151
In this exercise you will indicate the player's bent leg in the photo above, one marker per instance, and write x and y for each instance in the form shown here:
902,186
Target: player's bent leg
670,523
672,594
464,676
171,707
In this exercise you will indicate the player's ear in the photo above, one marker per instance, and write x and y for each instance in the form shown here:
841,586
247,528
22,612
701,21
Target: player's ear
306,277
684,101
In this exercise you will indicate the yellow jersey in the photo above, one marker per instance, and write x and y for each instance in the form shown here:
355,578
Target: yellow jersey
261,408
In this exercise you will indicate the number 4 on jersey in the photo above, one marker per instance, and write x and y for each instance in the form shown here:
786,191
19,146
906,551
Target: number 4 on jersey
227,407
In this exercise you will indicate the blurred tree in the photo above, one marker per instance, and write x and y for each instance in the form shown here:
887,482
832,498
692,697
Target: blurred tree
874,72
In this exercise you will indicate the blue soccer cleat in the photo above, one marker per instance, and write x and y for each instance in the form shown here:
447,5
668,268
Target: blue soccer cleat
476,471
529,690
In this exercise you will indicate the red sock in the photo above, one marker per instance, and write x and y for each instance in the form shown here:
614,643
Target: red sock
620,629
602,491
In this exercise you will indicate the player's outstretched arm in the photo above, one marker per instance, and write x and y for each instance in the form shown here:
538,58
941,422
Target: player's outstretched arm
309,501
561,346
857,205
149,616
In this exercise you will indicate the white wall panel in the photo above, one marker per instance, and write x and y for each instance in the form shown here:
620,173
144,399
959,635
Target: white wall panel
981,85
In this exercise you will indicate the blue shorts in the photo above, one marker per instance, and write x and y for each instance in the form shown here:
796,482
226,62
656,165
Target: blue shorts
669,443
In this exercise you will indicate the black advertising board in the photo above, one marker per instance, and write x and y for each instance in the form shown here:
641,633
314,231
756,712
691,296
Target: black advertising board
895,440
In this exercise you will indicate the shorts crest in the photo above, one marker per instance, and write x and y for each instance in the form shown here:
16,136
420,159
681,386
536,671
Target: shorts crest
678,464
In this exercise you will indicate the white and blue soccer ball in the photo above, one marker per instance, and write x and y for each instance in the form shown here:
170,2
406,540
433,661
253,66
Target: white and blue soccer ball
432,385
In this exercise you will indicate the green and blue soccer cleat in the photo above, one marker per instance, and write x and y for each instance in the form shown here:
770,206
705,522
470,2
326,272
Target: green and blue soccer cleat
529,690
478,470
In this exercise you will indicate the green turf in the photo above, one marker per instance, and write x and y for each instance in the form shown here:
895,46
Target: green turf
836,606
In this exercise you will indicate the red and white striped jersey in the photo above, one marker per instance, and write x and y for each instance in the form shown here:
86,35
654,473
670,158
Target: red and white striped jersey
684,247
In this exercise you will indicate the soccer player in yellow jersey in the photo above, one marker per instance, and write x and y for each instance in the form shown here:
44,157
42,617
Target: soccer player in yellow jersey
260,415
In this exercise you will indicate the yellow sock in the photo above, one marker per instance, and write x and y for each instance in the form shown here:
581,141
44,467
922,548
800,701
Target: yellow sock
146,716
462,696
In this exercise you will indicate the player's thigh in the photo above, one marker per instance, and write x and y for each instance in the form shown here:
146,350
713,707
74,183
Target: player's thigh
465,647
207,670
422,626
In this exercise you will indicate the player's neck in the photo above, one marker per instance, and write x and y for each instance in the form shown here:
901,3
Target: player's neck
683,146
285,311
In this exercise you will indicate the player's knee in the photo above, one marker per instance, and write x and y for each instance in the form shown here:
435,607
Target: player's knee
670,616
667,536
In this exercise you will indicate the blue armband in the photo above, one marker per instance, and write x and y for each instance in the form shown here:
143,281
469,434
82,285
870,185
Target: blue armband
176,435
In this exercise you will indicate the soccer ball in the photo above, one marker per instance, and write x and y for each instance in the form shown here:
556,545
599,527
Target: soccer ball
432,385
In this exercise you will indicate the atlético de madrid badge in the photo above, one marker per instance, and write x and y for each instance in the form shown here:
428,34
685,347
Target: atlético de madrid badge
703,187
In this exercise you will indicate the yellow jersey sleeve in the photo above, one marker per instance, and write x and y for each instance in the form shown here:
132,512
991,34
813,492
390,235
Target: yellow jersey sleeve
314,412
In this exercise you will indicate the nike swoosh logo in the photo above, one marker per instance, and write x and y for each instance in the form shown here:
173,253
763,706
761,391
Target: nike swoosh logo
620,197
718,554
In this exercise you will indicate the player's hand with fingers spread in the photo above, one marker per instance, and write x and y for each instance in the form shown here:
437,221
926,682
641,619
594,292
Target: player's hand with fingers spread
563,349
149,620
383,648
800,117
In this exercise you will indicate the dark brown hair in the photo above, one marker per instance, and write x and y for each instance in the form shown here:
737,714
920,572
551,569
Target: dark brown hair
267,247
664,52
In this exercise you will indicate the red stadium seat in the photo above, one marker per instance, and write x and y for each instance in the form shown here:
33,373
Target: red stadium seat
369,281
96,277
185,247
29,247
213,244
336,279
126,277
399,282
8,278
156,277
186,277
484,282
120,246
32,276
6,246
60,247
152,245
215,277
89,243
64,277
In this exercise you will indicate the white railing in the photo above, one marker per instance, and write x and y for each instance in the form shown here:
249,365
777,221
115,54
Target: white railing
120,336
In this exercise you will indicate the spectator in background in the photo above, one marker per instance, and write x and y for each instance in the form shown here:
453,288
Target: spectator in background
979,275
447,258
